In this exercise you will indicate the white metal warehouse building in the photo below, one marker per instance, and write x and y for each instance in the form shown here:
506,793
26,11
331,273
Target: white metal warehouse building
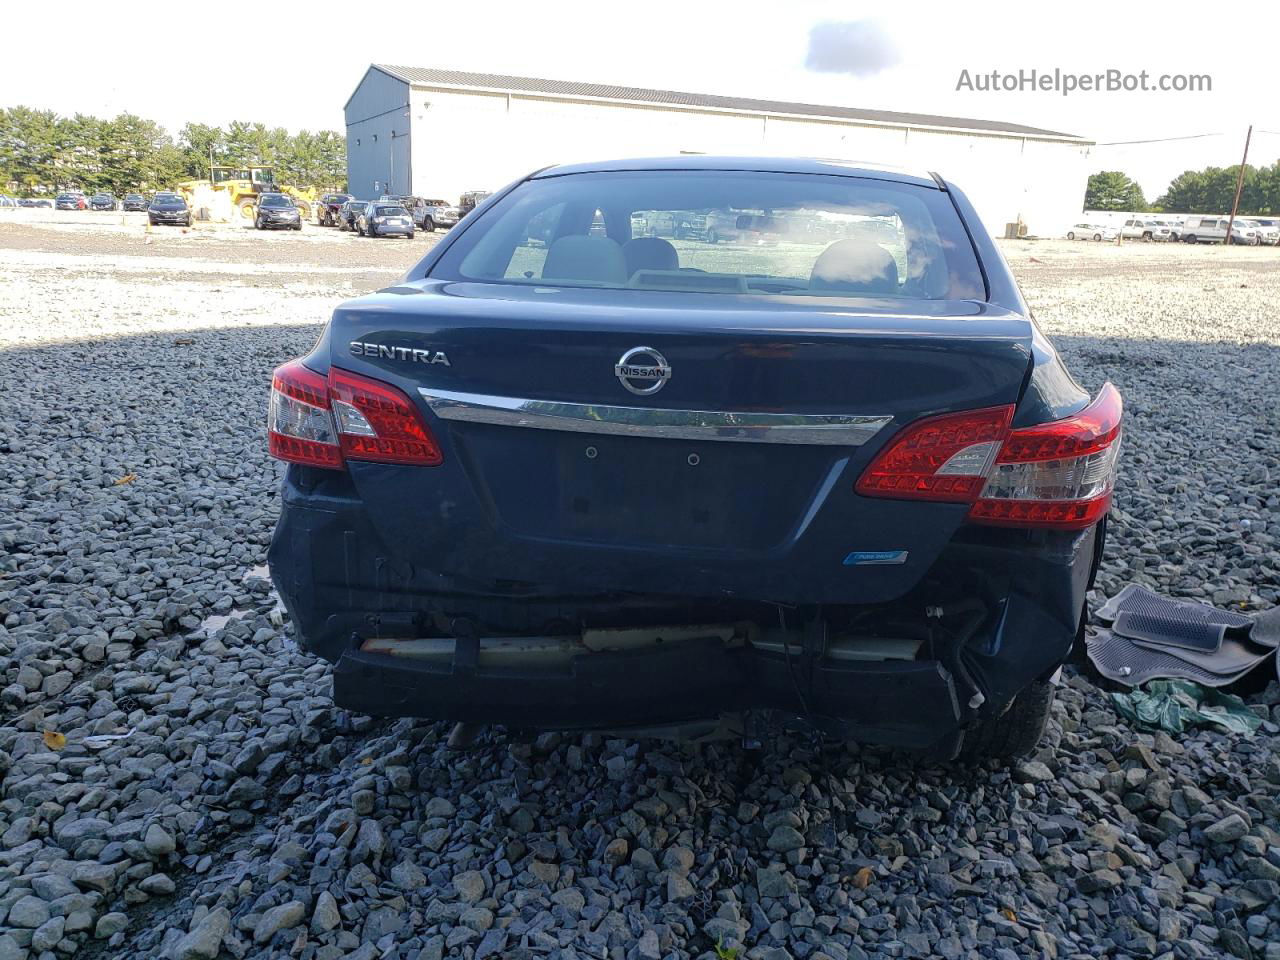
438,133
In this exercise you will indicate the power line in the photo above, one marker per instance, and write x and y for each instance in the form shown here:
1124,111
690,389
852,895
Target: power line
1194,136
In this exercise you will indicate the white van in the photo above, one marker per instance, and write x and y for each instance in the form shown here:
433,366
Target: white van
1214,230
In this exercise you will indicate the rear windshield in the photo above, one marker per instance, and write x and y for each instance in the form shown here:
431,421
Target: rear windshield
723,232
276,200
388,210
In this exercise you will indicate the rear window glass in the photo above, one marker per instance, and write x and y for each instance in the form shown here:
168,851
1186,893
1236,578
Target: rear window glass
723,232
388,210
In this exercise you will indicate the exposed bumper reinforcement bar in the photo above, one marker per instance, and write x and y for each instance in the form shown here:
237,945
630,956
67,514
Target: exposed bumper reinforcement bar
901,703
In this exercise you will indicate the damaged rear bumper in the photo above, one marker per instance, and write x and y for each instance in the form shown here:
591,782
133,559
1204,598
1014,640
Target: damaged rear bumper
902,703
997,610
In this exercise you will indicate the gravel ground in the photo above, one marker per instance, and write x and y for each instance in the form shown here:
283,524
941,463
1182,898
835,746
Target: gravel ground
177,784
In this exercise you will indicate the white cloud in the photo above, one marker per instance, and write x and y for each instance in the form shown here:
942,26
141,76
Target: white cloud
860,48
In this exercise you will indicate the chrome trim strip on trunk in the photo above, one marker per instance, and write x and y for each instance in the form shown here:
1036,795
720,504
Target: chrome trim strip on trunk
822,429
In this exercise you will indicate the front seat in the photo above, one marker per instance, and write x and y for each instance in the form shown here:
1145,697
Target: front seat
855,266
649,253
585,258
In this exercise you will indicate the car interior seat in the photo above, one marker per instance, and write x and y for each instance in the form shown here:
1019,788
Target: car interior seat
855,266
650,253
585,258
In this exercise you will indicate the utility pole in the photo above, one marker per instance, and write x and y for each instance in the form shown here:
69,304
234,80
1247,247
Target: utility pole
1235,204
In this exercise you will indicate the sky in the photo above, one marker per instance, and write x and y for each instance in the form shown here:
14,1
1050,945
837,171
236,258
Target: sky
909,58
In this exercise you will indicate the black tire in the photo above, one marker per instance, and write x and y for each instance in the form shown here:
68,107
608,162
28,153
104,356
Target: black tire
428,225
1147,237
1098,237
1190,238
298,228
1017,731
1071,234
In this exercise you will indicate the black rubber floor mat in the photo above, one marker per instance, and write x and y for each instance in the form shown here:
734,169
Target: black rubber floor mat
1266,628
1136,598
1200,635
1233,657
1119,658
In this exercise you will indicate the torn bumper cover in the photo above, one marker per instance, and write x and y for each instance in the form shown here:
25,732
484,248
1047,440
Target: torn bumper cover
886,673
856,688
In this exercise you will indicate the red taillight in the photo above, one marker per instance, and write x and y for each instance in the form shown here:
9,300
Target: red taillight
323,422
939,458
1057,475
377,422
299,426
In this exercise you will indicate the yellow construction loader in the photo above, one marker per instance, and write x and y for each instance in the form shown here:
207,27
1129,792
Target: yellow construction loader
242,186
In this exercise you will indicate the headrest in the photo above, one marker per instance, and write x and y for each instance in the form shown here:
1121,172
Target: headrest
580,257
650,253
855,266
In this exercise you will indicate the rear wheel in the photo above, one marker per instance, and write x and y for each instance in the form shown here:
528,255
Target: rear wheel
1017,731
1191,238
1071,235
248,209
1147,237
1098,237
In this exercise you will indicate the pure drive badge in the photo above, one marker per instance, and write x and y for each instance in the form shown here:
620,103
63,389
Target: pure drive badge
414,354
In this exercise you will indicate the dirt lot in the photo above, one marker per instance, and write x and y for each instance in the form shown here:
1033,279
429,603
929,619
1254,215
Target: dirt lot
176,782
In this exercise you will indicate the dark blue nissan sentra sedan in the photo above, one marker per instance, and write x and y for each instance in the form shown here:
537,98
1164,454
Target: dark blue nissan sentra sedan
698,444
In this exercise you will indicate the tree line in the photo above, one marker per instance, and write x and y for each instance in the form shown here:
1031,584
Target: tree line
42,153
1210,190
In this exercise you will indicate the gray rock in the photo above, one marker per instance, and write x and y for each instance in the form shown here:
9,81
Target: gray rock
205,939
158,841
109,924
470,885
28,913
1227,830
279,918
325,917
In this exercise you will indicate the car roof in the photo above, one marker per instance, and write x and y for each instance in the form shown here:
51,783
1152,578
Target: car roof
839,168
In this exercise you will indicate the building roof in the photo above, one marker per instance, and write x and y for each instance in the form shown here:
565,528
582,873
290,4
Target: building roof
575,89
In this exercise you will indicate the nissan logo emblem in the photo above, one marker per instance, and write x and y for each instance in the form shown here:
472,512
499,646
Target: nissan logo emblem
642,370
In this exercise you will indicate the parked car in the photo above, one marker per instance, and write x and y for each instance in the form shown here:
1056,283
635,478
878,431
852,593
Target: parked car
384,219
1267,230
328,207
134,201
610,483
8,201
70,201
1173,225
44,202
277,211
1092,231
166,207
348,212
1214,230
433,214
1146,230
470,200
